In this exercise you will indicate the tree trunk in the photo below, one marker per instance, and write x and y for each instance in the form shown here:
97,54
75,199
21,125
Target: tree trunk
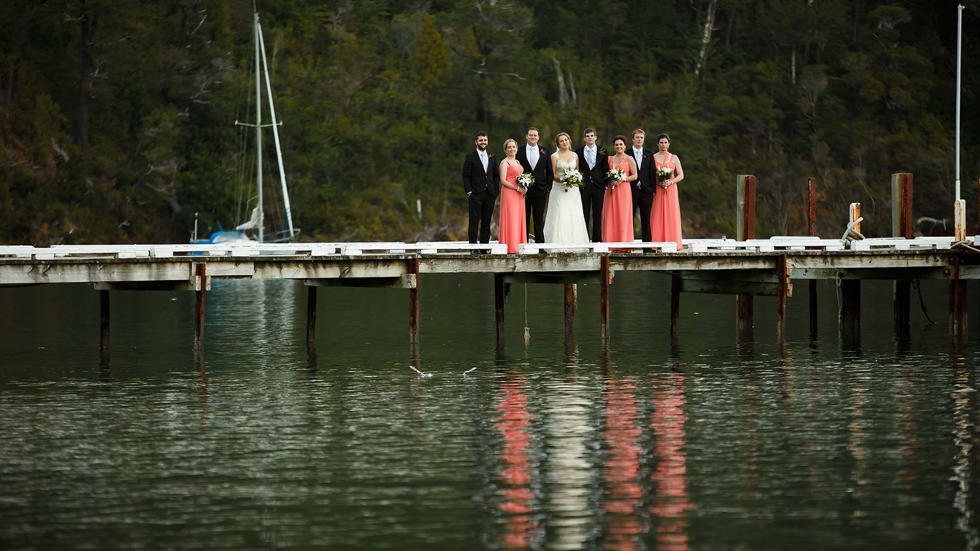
86,70
709,23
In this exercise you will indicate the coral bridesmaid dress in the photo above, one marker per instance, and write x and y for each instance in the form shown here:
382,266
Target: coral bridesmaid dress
665,216
617,208
513,224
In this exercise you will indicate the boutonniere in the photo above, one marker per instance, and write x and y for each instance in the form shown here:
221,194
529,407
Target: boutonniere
542,151
602,151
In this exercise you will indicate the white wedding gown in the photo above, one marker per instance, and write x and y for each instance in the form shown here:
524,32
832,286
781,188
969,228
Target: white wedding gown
564,220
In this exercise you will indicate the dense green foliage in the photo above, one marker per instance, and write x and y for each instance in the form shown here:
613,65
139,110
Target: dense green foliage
117,118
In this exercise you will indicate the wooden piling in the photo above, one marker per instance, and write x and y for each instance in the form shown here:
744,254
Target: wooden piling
811,227
745,229
201,272
957,300
498,302
675,303
570,312
104,322
413,307
782,292
311,318
604,281
902,227
849,314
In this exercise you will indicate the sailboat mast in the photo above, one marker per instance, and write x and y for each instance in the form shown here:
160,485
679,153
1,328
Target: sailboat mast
258,129
275,135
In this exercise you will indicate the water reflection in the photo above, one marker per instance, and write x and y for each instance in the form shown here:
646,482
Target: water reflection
671,502
963,395
517,501
623,518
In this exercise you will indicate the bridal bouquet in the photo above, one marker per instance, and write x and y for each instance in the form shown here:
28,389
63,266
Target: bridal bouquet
664,173
525,179
615,176
571,178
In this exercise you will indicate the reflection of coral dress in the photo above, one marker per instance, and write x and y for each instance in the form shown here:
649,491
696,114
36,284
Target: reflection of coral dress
665,216
512,223
617,208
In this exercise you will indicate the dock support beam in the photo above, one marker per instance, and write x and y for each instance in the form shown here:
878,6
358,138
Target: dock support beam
311,318
104,323
413,308
811,230
902,227
498,303
570,306
783,291
604,280
201,272
957,301
675,303
745,229
849,315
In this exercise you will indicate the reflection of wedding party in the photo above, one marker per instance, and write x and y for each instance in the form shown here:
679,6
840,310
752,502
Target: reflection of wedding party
574,194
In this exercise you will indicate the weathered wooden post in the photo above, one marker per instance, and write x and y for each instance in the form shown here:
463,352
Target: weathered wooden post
413,307
104,323
957,300
570,300
902,227
604,279
811,230
745,229
202,284
311,318
784,289
849,315
498,303
675,302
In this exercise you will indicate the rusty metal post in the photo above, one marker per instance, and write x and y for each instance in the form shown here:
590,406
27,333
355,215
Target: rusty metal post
413,308
498,303
104,323
311,318
201,272
811,229
959,220
745,188
604,280
675,303
569,312
902,227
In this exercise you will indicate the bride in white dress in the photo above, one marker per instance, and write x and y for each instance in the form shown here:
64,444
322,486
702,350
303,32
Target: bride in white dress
564,221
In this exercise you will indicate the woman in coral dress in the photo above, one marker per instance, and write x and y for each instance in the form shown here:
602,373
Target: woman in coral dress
665,217
617,207
512,222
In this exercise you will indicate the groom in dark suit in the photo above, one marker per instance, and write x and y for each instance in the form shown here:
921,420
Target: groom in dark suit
645,184
593,164
536,160
480,183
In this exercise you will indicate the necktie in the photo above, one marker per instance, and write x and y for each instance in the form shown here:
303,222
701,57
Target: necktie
532,156
590,157
638,153
483,159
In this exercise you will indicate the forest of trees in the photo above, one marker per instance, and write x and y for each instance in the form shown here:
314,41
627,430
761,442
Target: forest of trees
117,118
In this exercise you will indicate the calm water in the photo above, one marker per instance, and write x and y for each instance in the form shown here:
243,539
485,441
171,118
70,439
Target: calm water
700,443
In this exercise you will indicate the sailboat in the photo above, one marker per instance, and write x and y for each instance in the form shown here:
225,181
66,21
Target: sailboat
254,228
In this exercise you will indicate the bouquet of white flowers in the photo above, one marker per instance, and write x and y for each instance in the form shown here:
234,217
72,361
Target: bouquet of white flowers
615,176
571,178
525,179
664,173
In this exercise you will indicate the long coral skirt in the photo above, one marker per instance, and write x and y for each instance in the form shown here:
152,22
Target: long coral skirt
617,214
665,217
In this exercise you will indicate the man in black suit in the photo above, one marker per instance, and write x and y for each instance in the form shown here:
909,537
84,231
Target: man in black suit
480,183
593,164
645,184
536,160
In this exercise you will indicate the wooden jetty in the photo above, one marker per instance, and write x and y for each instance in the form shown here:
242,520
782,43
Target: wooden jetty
745,268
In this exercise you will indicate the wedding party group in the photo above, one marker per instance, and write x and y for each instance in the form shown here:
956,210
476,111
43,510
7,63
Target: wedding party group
555,197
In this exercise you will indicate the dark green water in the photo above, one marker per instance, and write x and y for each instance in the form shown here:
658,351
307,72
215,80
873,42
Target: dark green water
699,443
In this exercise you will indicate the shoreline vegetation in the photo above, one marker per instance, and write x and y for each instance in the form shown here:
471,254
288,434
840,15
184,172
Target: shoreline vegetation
117,120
